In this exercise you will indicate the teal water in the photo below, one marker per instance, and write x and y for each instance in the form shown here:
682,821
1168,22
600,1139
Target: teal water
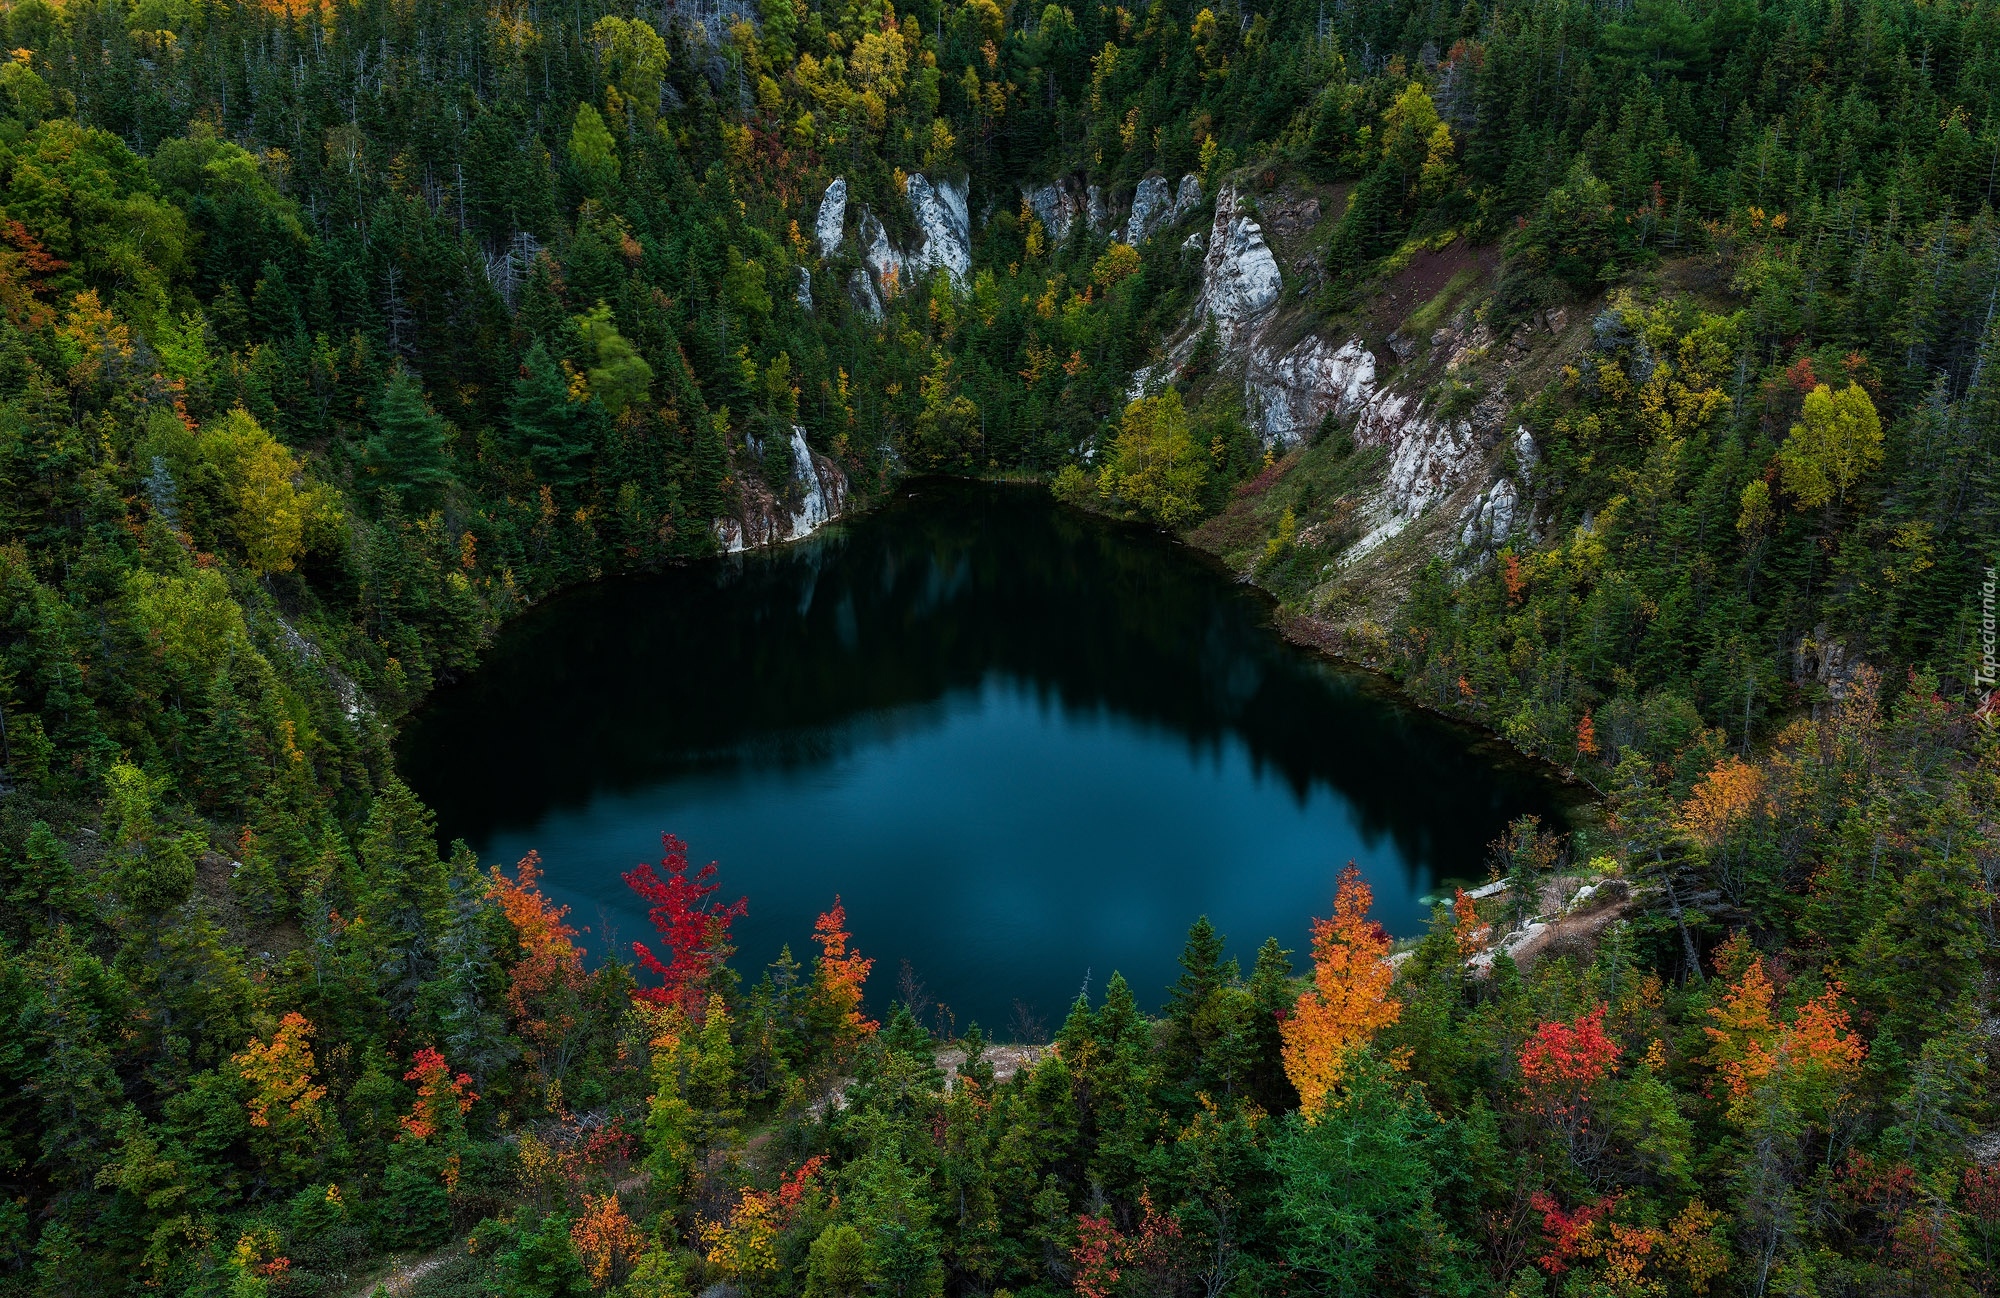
1026,746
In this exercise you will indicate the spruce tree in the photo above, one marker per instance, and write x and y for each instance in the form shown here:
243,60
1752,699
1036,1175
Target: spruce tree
556,433
407,453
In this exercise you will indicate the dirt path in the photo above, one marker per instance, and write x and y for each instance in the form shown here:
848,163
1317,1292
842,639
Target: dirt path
403,1276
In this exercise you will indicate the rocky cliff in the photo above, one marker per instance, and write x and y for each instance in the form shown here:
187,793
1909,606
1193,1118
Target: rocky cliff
814,495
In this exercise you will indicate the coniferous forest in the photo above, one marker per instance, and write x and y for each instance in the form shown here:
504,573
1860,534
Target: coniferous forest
337,333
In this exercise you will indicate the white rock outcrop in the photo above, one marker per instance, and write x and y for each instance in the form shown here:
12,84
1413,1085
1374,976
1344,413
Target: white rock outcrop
883,261
1489,519
805,289
1429,458
832,220
1240,281
818,482
1292,392
941,215
1187,199
1152,202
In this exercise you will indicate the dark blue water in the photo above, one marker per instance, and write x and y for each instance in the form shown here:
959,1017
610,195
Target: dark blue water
1025,746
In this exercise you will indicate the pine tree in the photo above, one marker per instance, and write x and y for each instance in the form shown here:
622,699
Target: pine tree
557,433
407,453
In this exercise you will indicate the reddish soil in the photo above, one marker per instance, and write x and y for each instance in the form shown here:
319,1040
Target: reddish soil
1426,276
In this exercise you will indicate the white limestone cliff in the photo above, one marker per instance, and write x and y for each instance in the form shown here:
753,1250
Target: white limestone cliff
832,220
818,483
1240,281
941,216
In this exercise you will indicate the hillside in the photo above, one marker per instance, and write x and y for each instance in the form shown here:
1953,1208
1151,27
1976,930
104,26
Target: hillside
1622,377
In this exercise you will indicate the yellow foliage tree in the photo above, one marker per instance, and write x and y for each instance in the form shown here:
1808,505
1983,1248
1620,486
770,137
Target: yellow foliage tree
1349,1001
1836,442
271,512
1155,467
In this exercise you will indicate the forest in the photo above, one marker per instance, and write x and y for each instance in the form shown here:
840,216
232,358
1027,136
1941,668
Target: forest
338,332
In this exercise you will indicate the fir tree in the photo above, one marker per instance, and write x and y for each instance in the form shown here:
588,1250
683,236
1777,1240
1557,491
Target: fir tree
407,452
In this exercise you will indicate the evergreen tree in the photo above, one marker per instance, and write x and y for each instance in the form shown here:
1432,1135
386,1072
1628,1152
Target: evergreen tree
557,433
407,452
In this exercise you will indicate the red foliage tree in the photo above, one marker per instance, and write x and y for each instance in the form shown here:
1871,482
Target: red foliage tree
1562,1064
693,929
1562,1060
442,1098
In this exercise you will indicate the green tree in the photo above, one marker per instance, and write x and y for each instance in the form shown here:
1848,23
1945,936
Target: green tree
592,151
1357,1193
556,431
407,453
620,378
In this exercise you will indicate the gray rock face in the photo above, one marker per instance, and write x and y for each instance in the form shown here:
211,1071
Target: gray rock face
1293,391
832,218
1054,206
1186,200
805,291
1093,206
1152,204
861,292
1489,520
884,262
941,214
1240,279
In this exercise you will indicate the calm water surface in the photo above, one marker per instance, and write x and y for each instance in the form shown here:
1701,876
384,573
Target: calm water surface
1025,746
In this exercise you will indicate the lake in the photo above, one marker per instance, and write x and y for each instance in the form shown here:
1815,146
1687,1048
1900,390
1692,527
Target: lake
1026,746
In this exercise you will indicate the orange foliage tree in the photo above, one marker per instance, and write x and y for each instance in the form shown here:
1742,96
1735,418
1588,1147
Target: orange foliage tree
546,982
1812,1057
284,1103
1349,1001
1730,792
606,1239
442,1099
1467,930
838,976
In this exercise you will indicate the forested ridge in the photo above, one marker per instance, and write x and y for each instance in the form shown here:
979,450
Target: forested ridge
338,333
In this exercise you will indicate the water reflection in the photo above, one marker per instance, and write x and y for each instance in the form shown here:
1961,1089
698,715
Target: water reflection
1020,742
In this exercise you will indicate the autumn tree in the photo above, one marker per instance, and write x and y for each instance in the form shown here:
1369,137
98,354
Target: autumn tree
694,931
1156,469
545,979
1837,441
838,977
288,1122
1349,1000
